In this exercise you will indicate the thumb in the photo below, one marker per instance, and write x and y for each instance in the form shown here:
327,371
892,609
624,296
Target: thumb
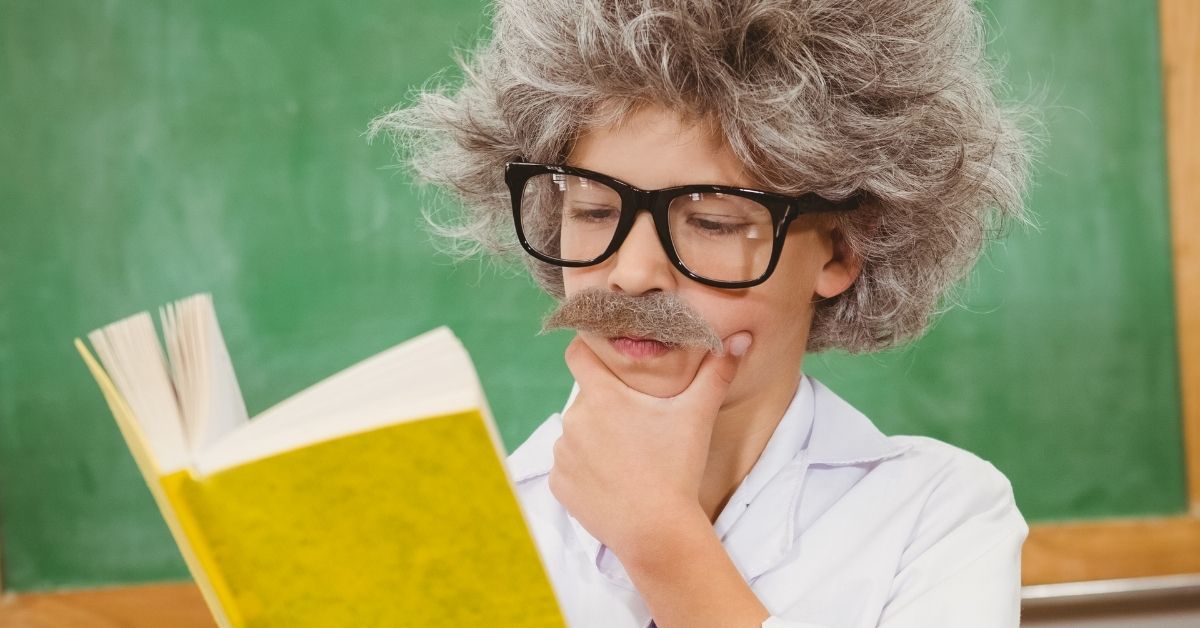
717,372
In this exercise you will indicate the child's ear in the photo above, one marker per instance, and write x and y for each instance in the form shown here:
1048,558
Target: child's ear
842,268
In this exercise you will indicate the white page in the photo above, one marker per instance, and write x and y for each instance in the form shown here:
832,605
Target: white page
426,376
132,357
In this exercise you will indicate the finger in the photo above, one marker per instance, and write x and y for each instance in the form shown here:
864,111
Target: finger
587,368
716,373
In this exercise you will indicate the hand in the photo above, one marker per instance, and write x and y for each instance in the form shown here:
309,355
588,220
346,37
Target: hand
629,465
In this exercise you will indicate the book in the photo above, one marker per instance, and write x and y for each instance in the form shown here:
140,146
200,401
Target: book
377,497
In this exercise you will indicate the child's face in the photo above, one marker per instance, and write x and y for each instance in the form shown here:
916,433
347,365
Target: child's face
654,149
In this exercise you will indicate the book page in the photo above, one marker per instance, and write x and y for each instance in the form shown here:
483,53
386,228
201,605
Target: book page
209,394
133,358
428,375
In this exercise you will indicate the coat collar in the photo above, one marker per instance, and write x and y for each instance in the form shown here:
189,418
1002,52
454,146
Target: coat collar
757,524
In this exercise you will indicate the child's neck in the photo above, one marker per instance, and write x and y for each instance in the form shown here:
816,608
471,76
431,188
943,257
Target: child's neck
740,433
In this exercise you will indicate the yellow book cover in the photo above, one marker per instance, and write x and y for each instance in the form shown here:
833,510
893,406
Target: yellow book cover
377,497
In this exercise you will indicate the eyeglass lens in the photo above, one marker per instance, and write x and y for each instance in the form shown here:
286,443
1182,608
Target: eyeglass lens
718,236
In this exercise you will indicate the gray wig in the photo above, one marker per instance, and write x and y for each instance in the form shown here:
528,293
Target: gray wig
893,98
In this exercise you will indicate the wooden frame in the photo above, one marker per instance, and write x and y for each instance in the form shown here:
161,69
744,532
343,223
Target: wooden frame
179,605
1054,553
1180,21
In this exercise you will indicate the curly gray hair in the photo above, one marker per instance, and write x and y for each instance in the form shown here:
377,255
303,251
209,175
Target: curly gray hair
893,98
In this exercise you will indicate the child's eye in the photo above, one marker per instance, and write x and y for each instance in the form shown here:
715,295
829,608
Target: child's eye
592,214
716,225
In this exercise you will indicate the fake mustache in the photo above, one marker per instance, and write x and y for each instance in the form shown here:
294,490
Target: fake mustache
660,316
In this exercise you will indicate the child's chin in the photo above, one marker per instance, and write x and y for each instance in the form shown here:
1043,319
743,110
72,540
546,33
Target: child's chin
666,384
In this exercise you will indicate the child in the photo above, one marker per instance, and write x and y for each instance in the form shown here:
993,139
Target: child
714,188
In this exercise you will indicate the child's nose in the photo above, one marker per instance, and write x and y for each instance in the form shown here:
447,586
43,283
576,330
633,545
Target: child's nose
641,265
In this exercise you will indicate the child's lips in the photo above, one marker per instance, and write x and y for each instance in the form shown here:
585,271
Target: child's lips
639,348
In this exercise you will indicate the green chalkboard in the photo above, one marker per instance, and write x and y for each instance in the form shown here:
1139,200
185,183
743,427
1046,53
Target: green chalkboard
151,150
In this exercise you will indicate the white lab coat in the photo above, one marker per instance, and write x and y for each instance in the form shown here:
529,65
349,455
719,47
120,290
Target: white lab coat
835,526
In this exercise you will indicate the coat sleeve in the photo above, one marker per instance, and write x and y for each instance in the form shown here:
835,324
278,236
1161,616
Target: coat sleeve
778,622
962,566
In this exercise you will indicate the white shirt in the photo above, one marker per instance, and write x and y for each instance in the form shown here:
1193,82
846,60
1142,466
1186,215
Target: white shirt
836,525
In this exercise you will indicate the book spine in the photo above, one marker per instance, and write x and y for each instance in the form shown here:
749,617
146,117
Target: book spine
201,562
153,477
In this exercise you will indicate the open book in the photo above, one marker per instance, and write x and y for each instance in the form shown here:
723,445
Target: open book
377,497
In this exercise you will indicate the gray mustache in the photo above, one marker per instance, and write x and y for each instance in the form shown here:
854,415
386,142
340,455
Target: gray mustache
659,315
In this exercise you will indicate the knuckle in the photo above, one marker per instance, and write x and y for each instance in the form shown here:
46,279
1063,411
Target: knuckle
572,350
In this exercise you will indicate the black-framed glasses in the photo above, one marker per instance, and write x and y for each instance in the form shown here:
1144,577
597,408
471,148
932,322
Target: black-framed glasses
722,236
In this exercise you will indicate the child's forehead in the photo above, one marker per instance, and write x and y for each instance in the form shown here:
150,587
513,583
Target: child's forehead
654,147
615,112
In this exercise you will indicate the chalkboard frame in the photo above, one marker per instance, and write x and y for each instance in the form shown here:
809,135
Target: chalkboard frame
1054,553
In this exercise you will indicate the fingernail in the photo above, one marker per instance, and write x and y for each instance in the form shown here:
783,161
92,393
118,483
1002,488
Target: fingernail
739,344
